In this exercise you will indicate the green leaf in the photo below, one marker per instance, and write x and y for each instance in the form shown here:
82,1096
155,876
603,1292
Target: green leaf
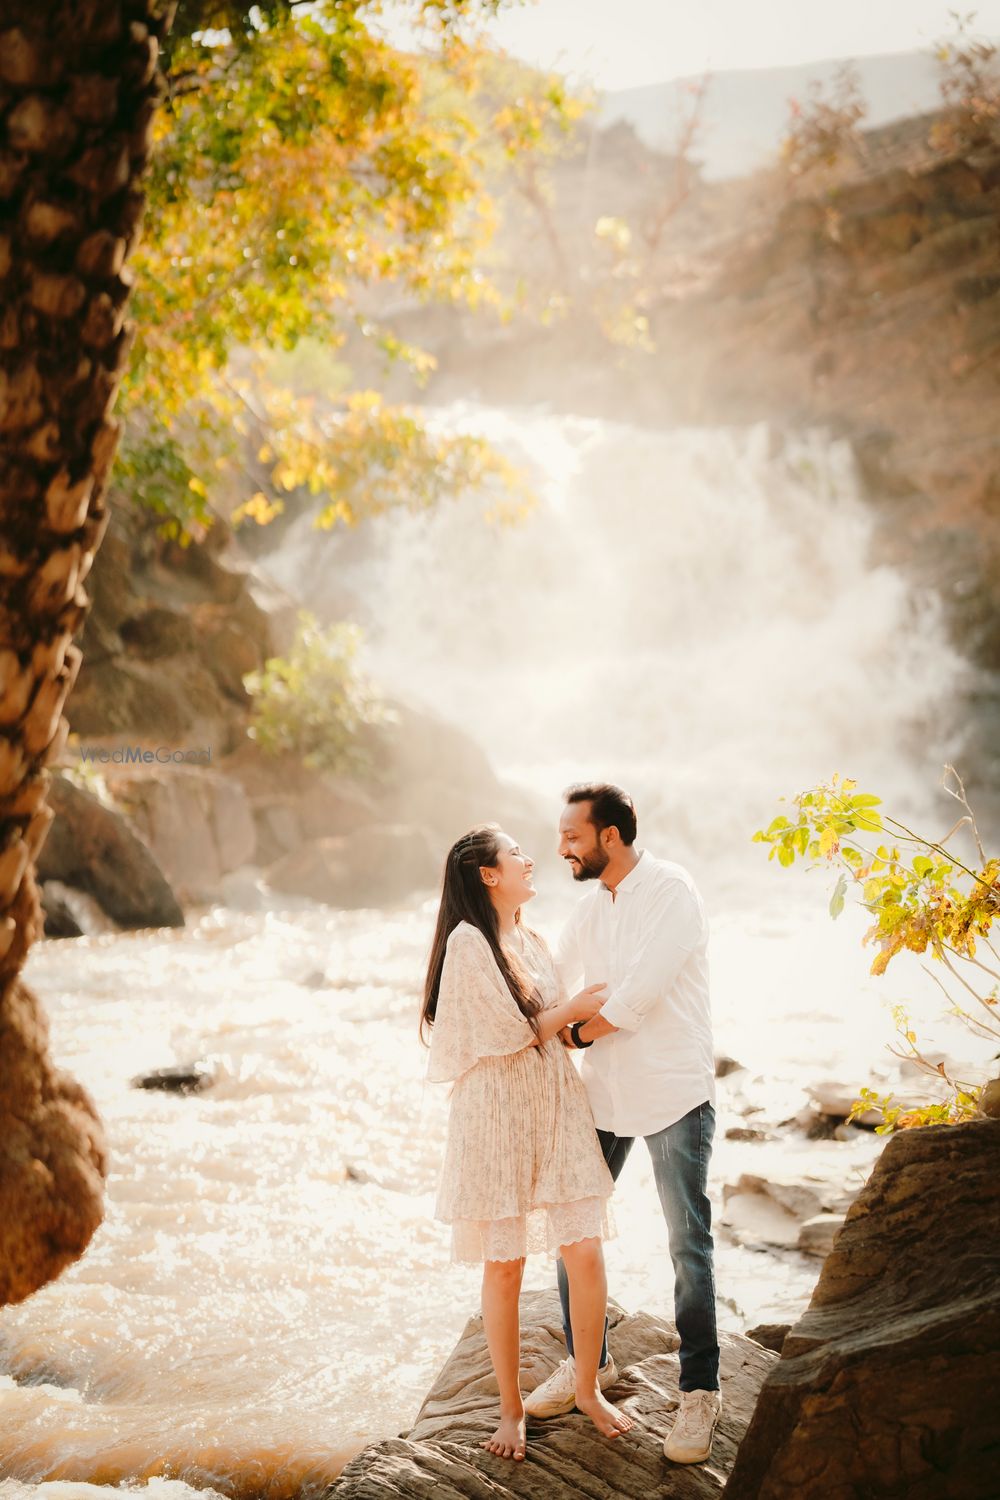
837,899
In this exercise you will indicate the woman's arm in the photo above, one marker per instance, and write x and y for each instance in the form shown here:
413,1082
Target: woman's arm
580,1008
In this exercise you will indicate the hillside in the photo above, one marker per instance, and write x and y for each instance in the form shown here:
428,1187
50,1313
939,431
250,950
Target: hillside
746,111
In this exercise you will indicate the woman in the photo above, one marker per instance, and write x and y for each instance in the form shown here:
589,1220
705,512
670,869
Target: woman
522,1170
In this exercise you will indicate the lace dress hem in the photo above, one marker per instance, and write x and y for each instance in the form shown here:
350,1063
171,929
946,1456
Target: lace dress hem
543,1230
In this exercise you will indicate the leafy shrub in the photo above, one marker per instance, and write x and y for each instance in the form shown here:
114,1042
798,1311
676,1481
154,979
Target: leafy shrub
922,899
970,89
315,703
822,134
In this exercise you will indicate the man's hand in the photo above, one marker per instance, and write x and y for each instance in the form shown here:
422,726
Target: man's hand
594,1029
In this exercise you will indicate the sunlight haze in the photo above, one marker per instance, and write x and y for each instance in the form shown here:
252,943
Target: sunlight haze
648,41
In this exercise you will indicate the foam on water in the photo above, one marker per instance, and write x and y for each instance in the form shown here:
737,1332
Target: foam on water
269,1289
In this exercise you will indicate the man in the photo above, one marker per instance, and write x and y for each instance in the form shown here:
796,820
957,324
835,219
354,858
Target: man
649,1070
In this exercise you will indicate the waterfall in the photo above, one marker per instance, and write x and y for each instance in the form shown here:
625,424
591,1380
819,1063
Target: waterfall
693,613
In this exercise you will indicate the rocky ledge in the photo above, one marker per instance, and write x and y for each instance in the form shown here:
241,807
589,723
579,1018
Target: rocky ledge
887,1386
441,1454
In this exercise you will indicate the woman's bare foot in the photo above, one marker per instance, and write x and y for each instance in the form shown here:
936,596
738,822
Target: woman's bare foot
609,1421
509,1440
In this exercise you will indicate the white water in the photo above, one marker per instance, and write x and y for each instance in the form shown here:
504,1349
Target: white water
269,1290
689,613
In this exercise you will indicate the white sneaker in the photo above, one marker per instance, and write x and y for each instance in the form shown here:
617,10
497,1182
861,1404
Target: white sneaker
558,1393
689,1441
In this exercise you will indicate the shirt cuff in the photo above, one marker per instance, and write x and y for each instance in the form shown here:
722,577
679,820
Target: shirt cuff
617,1013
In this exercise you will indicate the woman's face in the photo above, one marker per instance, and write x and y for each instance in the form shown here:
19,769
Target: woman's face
509,880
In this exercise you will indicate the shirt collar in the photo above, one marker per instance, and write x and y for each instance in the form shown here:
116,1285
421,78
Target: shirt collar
634,877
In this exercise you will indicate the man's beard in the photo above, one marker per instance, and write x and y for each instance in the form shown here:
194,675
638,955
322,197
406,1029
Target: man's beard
588,866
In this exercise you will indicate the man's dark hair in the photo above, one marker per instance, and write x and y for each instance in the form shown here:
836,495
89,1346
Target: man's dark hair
610,807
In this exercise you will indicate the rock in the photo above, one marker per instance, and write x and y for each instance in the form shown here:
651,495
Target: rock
989,1100
230,652
748,1133
130,698
83,909
770,1335
431,773
801,1199
53,1158
183,1078
278,828
197,823
886,1387
725,1065
92,848
160,633
836,1100
817,1127
754,1218
59,920
168,636
772,1212
244,890
375,865
816,1235
440,1455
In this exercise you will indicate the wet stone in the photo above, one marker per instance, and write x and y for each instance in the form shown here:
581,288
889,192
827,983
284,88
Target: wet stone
180,1079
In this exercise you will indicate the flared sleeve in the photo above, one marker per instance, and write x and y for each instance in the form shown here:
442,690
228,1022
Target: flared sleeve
477,1016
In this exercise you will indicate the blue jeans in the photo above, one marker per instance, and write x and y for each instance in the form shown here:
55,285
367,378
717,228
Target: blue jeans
680,1156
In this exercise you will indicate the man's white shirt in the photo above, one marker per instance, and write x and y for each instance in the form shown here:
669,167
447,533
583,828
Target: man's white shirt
649,944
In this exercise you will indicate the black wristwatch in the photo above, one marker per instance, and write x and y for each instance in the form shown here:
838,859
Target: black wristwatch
574,1032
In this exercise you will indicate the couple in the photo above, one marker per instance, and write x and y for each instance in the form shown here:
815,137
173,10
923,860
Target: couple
524,1168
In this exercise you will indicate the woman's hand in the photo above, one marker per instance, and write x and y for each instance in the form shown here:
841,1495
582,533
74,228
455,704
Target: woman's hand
588,1002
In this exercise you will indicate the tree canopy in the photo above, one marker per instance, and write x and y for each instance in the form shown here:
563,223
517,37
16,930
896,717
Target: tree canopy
303,160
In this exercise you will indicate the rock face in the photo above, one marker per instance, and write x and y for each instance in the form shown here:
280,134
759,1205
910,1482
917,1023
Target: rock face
91,847
887,1386
168,637
196,823
52,1155
441,1456
369,868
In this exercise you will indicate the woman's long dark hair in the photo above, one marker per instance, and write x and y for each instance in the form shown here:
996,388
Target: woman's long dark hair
465,898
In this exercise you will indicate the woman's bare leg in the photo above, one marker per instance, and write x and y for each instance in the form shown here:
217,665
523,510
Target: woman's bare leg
588,1299
501,1290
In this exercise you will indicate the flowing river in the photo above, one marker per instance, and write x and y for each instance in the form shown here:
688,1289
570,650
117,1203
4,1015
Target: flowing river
693,614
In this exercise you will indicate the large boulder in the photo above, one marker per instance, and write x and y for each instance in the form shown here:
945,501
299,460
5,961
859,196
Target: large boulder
385,863
92,848
441,1455
887,1386
196,821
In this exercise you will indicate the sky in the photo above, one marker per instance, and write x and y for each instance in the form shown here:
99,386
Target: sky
619,44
